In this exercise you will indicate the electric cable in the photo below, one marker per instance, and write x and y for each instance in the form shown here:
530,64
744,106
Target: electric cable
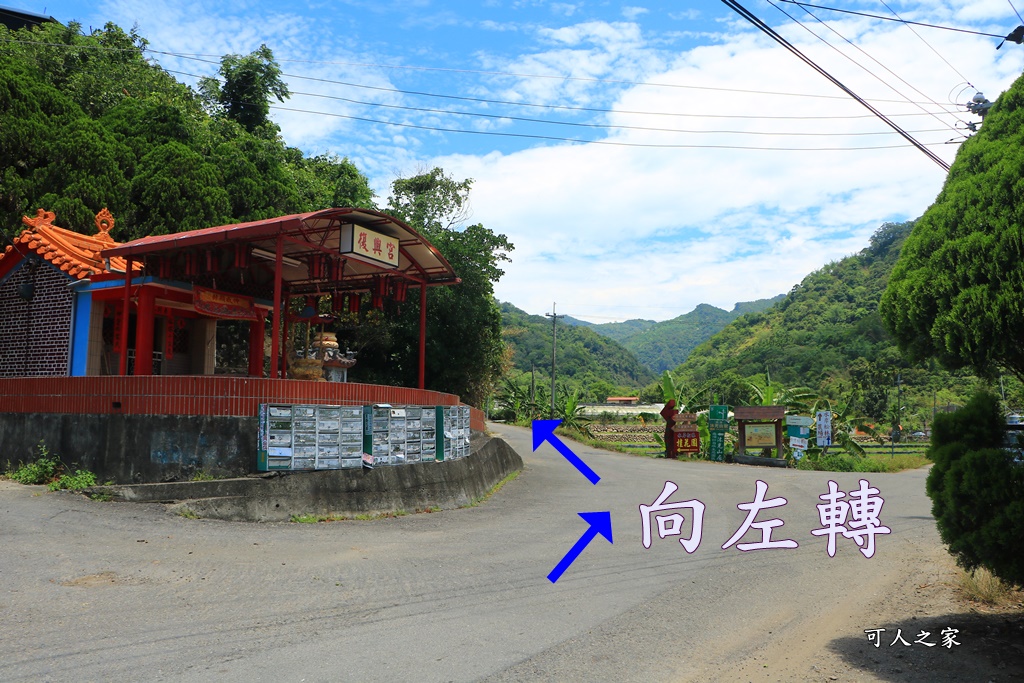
921,38
216,62
1015,11
900,20
864,52
770,32
612,143
603,126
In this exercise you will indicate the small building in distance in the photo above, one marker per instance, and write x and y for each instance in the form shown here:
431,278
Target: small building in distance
622,400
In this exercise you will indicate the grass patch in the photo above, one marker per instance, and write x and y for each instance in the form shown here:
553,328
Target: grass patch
840,461
981,586
188,513
364,517
494,489
101,497
202,475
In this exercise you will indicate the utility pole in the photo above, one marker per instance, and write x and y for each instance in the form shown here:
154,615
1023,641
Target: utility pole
554,320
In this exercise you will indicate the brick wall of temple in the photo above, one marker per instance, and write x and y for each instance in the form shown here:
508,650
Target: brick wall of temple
35,334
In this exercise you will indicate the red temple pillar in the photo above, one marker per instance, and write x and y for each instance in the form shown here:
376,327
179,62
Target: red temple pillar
257,330
145,323
423,337
123,351
275,346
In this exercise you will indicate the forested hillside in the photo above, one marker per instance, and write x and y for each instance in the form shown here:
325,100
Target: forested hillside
826,334
664,345
620,332
598,366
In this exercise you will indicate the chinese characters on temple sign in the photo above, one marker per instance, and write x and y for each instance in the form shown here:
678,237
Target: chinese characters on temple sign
947,638
362,241
856,519
376,245
391,251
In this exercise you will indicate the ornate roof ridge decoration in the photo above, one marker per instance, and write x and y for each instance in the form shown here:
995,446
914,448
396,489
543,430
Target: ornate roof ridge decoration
77,255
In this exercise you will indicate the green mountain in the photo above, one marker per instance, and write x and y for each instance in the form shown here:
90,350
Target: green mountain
620,332
826,334
599,366
664,345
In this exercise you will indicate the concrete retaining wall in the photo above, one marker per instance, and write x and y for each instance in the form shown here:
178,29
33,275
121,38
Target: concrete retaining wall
134,448
278,496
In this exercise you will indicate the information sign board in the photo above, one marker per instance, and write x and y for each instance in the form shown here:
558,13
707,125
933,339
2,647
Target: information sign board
799,421
760,436
716,447
824,428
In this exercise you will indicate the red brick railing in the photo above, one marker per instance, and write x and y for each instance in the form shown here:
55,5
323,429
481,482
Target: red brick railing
199,395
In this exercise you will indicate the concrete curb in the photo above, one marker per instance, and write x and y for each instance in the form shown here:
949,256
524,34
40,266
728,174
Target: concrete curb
276,497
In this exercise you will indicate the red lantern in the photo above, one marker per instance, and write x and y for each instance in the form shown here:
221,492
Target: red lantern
401,290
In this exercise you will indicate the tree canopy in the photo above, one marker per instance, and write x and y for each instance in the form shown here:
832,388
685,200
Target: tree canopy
957,291
465,352
86,122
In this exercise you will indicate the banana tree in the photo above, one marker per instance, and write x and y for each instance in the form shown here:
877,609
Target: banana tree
569,410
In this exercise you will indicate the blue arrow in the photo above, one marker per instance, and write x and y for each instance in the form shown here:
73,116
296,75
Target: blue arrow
544,430
600,523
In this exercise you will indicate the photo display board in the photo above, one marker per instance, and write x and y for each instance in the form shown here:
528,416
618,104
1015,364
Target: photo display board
318,437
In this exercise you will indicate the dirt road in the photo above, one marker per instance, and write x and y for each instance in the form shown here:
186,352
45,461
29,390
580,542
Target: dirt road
116,591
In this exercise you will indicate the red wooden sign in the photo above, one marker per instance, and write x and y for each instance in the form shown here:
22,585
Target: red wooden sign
687,442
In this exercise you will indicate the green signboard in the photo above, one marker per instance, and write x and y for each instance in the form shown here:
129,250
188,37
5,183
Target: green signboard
718,418
716,451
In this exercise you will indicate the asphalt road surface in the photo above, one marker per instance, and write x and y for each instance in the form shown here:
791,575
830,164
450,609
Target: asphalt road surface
93,591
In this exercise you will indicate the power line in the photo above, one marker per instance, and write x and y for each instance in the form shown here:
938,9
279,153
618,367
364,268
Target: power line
921,38
1015,11
770,32
215,60
862,51
601,126
884,18
612,143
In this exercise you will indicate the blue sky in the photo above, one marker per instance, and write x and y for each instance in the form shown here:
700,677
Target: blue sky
678,156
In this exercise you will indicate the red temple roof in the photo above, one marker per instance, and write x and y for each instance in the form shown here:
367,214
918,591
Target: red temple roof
78,255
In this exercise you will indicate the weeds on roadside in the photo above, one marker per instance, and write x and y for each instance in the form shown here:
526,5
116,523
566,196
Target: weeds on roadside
364,517
42,470
81,479
188,513
981,586
494,489
49,470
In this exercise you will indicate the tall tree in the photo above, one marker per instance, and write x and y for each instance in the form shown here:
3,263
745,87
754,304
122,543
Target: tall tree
464,343
957,291
249,83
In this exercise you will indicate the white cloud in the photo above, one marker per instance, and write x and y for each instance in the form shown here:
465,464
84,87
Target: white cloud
608,231
598,228
634,13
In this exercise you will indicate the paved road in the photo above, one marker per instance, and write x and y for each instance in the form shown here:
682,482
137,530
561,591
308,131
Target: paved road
116,591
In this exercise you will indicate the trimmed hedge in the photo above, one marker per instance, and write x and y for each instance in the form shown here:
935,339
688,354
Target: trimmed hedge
977,489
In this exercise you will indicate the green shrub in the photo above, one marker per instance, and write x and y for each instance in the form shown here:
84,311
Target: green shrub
42,470
81,479
977,489
836,462
869,465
